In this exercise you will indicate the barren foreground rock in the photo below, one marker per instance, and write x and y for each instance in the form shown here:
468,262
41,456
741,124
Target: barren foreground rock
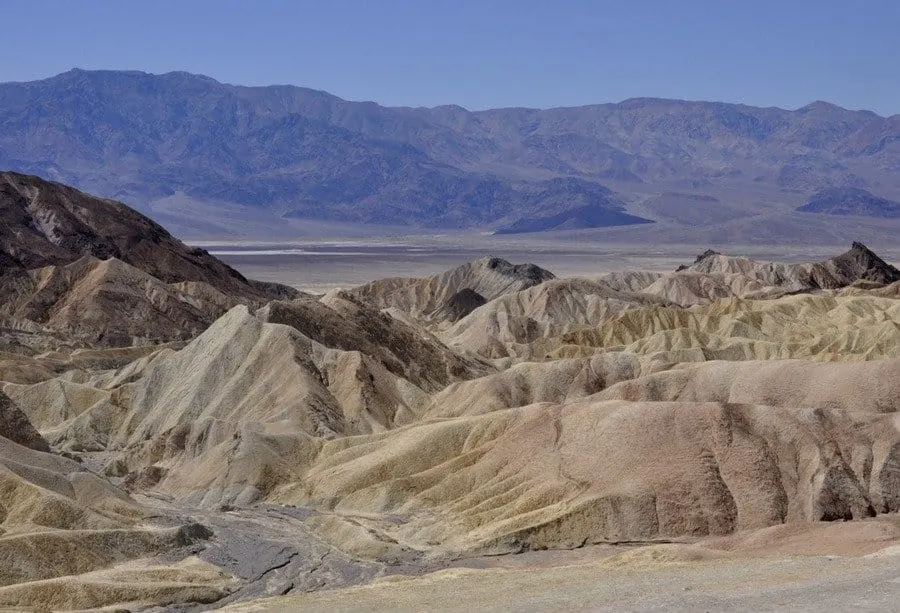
174,435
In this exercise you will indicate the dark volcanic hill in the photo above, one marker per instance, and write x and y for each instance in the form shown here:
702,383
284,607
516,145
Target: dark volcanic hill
851,201
98,271
49,224
283,152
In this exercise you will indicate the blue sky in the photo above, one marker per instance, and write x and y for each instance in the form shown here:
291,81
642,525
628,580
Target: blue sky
483,54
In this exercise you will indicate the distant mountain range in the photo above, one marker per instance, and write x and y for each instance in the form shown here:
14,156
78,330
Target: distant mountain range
200,155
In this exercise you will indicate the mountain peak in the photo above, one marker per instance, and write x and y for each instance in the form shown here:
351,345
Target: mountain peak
526,273
859,247
864,263
820,105
706,254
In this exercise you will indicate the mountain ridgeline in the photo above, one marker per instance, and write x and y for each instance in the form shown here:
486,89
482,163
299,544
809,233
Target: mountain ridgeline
284,152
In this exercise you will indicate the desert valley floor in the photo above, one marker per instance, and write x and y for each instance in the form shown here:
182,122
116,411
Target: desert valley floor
325,264
431,424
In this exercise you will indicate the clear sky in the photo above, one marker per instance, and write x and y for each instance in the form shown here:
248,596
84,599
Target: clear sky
482,54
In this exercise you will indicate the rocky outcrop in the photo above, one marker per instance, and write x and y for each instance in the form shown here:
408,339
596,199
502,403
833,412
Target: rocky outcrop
101,272
461,304
14,425
425,298
50,224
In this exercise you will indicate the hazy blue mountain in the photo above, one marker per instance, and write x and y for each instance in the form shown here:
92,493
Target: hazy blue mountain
578,218
851,201
292,152
581,204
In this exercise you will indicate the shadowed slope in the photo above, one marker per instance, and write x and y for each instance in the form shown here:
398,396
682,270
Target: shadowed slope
517,323
424,297
589,471
818,327
16,427
851,201
342,320
111,303
59,523
102,273
713,276
253,393
46,223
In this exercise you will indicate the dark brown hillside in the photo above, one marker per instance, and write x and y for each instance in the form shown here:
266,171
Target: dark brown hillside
49,224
